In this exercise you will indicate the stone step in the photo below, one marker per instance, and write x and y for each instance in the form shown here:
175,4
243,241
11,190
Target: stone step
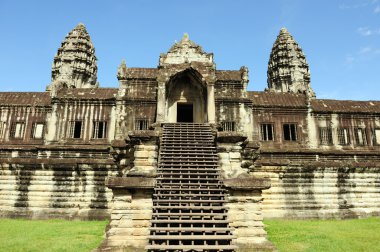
189,198
199,138
172,173
167,248
192,148
187,176
191,229
187,158
175,161
207,208
205,181
220,190
182,153
188,170
220,194
220,215
190,237
193,199
176,186
192,221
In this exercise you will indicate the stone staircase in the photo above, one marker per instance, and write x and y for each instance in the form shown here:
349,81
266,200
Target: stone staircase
188,201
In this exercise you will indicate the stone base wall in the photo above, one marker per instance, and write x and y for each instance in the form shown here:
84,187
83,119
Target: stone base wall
245,217
130,220
317,191
75,191
145,160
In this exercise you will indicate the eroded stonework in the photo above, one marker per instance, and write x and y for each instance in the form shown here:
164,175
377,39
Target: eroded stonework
74,64
288,70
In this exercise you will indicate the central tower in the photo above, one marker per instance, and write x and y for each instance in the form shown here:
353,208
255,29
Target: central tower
186,78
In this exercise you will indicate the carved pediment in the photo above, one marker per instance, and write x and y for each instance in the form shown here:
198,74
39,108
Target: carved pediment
185,51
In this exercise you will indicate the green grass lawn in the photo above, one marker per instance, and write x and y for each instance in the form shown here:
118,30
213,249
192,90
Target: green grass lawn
287,235
50,235
325,235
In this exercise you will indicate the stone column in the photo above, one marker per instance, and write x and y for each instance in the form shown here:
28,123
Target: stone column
211,103
161,102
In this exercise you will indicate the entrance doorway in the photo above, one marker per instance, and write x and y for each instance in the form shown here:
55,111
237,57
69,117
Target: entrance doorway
185,112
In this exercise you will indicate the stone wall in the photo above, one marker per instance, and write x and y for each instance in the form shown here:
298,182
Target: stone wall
244,199
66,191
321,190
131,214
246,219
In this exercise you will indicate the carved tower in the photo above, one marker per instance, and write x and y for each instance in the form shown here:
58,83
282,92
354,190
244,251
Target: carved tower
288,70
74,65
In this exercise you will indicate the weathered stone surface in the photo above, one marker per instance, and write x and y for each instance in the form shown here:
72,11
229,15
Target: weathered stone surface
75,62
231,137
130,219
288,70
131,182
247,183
57,147
321,192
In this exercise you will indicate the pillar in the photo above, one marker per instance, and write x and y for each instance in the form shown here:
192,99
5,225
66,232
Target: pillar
161,102
211,103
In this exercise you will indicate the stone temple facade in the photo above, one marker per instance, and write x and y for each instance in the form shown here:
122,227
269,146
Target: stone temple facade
182,157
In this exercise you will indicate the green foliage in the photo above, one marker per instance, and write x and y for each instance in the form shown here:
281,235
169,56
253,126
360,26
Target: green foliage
325,235
50,235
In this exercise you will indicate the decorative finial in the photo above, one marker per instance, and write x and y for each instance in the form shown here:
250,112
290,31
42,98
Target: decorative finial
122,70
80,26
185,37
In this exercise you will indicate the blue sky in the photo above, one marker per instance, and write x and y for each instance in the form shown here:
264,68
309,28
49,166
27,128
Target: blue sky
341,38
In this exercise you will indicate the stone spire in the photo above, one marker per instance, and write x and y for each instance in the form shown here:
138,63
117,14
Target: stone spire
74,64
288,70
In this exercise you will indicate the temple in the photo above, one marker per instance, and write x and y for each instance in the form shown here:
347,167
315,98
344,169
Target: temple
182,157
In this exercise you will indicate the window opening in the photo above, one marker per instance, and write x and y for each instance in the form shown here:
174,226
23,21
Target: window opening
377,136
290,132
267,132
325,135
75,129
360,136
37,130
343,136
99,129
141,124
17,130
228,126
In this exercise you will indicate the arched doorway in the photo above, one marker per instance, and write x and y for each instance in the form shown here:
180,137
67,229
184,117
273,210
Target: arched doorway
186,98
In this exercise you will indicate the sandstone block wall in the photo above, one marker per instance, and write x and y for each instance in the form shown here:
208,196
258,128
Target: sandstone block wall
245,217
310,191
145,160
64,191
130,219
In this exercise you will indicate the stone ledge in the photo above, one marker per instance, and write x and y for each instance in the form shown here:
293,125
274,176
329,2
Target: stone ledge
247,184
131,182
230,137
138,136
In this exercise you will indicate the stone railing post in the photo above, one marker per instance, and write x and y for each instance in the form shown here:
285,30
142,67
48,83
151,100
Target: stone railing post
211,103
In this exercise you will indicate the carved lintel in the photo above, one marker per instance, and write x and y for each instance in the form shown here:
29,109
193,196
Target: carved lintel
131,182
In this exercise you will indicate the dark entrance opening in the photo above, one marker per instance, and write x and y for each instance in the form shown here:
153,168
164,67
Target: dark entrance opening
184,112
